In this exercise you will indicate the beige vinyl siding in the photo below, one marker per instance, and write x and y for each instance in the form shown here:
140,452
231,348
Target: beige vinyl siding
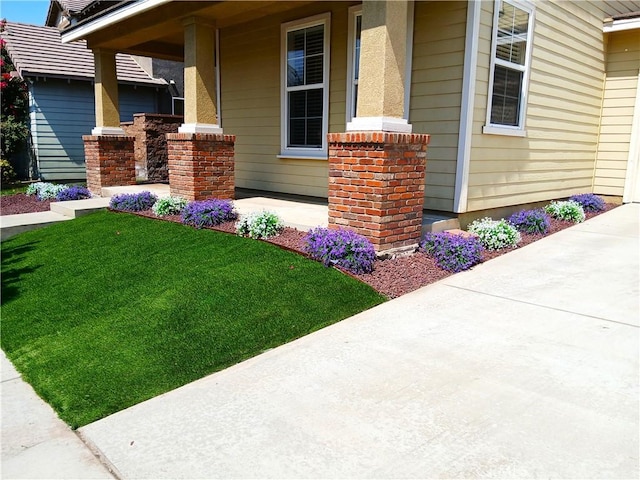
250,100
621,84
556,158
436,91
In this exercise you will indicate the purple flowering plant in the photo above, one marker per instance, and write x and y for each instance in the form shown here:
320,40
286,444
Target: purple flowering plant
342,248
531,221
207,213
453,253
133,202
589,202
74,192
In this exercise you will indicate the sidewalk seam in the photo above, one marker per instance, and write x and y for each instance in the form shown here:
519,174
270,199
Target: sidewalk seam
543,306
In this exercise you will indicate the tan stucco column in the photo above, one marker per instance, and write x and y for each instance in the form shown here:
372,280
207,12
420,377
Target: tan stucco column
200,113
106,94
383,60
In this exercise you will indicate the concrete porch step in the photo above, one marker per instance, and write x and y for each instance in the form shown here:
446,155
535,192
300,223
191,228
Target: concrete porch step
433,222
77,208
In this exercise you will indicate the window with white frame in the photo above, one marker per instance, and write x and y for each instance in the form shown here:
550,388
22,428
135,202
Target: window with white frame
353,60
305,79
510,64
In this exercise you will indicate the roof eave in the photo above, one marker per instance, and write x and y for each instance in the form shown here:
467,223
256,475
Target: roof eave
86,78
94,24
611,25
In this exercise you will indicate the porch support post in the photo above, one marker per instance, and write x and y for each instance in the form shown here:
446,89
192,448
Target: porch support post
106,94
110,161
376,186
201,165
200,156
383,57
377,168
109,153
200,113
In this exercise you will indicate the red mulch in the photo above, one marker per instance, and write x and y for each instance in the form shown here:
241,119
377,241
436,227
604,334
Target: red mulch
392,277
21,203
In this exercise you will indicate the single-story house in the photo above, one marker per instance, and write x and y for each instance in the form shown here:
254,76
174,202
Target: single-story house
60,79
515,102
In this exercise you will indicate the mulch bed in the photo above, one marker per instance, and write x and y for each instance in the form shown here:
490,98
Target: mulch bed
392,277
22,203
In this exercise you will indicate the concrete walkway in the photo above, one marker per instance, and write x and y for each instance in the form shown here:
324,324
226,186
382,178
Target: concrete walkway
297,214
524,367
35,442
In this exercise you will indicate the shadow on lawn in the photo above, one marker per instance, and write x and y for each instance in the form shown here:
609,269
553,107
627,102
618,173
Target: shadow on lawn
11,274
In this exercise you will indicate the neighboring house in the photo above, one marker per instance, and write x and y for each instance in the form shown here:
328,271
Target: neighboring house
525,101
61,96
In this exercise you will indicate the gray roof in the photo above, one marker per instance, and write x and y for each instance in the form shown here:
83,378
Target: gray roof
38,52
74,6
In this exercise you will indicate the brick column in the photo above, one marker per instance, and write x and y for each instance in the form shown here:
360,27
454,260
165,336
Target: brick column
376,185
110,161
201,165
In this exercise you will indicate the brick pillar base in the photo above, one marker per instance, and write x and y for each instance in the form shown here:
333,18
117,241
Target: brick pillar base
376,185
110,161
201,165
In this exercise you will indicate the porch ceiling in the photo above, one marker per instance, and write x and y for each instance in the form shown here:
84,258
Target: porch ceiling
159,32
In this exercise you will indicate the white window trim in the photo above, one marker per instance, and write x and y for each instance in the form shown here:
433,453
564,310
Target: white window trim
354,12
498,129
299,152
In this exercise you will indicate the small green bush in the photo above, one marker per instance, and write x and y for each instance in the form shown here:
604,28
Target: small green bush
495,234
7,172
169,206
260,225
568,211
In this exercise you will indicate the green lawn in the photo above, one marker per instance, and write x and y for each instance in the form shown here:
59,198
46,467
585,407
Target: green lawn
110,309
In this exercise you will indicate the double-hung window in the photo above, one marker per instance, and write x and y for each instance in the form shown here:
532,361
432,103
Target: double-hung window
510,65
305,79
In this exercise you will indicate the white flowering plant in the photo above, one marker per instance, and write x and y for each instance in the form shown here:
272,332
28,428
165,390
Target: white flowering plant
45,190
495,234
263,224
169,206
569,211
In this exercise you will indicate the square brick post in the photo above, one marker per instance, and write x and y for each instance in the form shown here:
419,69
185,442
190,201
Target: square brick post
376,185
201,165
110,161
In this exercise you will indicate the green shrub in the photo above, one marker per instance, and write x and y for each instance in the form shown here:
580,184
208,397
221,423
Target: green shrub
7,172
568,211
169,206
495,234
260,225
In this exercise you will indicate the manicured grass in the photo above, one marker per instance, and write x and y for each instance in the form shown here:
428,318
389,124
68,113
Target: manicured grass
110,309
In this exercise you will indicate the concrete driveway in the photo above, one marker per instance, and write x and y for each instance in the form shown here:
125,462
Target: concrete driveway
524,367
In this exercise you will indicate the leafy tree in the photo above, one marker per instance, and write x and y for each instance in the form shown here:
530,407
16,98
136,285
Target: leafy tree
14,129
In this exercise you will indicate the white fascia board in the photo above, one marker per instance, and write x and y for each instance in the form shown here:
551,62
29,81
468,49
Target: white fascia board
621,25
110,19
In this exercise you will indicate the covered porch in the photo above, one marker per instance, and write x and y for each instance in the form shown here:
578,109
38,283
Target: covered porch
369,166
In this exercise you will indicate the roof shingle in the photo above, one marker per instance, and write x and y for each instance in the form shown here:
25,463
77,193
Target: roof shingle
38,51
